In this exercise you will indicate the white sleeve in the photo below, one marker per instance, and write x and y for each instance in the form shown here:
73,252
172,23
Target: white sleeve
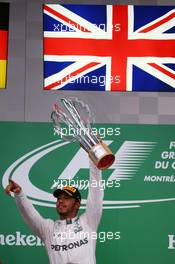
94,205
31,216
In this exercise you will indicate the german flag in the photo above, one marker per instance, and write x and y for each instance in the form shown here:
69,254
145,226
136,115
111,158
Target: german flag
4,24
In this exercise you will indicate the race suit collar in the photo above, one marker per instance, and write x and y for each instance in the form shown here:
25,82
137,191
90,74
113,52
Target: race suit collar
68,221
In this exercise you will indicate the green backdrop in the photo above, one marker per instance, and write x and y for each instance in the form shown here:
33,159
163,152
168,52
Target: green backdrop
138,222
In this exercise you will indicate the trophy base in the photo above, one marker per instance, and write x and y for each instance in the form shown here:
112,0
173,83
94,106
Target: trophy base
101,155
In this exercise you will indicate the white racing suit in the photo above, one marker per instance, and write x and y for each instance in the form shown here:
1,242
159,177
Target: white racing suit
68,242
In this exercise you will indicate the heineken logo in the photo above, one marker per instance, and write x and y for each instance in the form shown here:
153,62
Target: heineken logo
19,239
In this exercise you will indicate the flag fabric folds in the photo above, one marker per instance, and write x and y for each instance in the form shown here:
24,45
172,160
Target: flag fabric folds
109,47
4,23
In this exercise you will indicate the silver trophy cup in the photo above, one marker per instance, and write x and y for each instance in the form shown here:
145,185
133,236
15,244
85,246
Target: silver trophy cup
72,121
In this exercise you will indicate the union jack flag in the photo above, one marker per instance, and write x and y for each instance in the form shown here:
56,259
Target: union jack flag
109,47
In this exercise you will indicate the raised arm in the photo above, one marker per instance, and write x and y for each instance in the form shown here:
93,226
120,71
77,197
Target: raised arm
30,215
95,197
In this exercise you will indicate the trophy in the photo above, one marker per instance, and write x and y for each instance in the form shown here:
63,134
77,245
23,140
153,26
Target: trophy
75,117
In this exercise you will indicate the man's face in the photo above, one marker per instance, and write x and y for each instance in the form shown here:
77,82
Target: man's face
66,205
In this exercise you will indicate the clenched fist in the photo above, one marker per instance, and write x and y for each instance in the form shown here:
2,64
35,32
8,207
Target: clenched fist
12,187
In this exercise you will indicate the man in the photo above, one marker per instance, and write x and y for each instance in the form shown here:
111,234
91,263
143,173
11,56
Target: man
71,239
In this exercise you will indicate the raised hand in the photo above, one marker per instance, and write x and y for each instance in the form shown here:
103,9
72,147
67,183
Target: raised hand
12,187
